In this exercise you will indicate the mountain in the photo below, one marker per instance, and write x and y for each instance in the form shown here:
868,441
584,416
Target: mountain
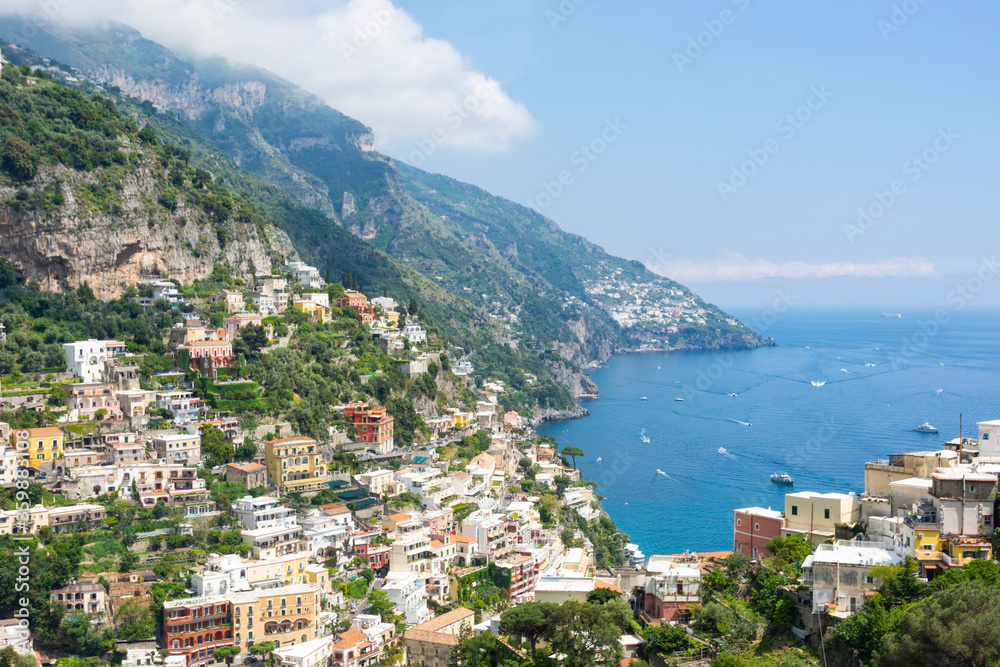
500,272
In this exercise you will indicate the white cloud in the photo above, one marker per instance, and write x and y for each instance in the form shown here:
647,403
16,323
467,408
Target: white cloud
367,58
732,266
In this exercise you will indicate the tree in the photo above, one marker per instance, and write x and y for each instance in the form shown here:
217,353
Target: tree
531,620
8,273
262,649
381,604
127,559
862,632
255,336
665,639
226,653
900,583
19,158
562,483
572,452
586,634
147,136
602,595
957,626
85,294
135,621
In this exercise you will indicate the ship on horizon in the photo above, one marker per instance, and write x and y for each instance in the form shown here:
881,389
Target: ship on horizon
892,314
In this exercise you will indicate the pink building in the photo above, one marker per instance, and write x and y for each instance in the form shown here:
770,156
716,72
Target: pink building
88,398
753,528
234,323
217,354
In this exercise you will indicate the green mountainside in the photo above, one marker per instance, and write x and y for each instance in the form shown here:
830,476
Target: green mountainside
488,270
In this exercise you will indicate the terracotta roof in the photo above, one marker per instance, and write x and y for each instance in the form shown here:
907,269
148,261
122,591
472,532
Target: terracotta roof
436,543
398,517
461,538
350,638
246,467
598,583
333,508
45,430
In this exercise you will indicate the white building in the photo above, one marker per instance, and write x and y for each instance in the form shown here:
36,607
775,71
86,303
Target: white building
839,576
85,358
313,653
164,289
264,512
305,275
185,405
414,333
408,593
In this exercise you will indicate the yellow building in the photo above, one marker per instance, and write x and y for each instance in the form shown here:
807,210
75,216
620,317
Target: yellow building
45,447
287,615
316,312
293,464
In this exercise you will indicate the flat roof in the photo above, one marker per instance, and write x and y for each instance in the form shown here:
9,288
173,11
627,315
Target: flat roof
760,511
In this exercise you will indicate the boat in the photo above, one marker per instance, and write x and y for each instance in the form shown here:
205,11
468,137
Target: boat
892,314
926,428
734,394
643,399
678,399
599,459
782,478
723,450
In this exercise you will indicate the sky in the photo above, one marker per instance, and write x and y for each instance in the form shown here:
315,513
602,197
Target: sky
844,152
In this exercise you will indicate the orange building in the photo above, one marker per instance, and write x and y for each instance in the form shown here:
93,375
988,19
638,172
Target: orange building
373,424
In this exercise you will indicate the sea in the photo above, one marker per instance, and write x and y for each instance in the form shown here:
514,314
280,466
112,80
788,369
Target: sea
840,388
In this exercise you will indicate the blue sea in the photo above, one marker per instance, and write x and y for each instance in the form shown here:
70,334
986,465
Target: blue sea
841,388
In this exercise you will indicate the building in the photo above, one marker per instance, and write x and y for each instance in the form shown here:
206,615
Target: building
45,448
208,356
232,299
234,323
359,302
355,649
164,289
8,465
316,312
71,517
313,653
305,275
414,333
753,528
430,643
288,615
815,516
294,465
84,400
374,425
839,575
673,588
88,596
271,295
85,358
963,497
379,482
125,450
182,448
185,406
250,475
408,592
195,627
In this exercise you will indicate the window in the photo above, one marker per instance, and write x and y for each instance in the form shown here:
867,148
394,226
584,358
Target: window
927,547
795,510
826,514
756,526
739,522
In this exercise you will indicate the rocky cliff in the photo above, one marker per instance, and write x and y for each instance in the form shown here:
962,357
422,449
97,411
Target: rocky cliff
76,244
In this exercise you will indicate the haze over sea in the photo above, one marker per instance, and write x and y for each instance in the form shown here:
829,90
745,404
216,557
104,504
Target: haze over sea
678,491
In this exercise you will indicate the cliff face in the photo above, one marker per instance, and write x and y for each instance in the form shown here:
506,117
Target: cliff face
76,244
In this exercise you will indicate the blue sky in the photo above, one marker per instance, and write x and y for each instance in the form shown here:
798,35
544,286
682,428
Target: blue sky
731,144
894,89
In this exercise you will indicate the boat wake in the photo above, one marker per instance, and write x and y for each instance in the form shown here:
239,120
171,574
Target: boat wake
818,383
643,436
939,391
599,459
660,472
739,422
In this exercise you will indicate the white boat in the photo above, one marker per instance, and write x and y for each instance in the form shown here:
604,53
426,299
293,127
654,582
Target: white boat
599,459
734,394
926,428
723,450
643,399
678,399
892,314
782,478
644,437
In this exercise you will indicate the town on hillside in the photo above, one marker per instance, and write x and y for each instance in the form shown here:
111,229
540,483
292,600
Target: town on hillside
295,473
